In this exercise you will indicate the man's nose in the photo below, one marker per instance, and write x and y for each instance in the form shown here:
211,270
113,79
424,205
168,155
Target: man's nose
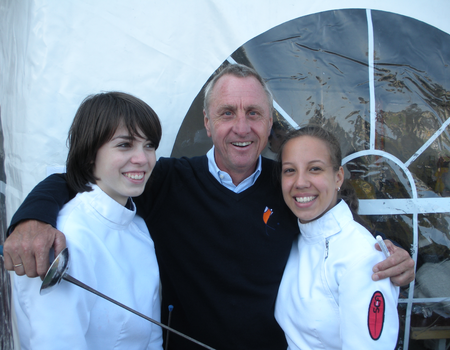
242,124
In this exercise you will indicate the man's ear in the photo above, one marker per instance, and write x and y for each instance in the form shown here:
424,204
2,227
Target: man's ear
270,125
206,122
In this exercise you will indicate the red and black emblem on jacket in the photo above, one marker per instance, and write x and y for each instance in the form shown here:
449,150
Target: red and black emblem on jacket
375,319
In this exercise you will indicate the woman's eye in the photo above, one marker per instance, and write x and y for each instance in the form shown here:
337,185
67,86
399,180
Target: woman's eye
124,145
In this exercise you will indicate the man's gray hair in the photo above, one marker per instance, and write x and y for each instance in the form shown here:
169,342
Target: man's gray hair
240,71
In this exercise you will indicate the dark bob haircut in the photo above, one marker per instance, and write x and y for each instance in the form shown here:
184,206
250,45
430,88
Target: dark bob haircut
95,123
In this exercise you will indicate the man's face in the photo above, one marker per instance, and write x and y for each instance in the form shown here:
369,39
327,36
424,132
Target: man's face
238,120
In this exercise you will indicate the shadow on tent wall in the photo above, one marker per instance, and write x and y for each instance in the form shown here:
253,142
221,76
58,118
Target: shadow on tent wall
6,338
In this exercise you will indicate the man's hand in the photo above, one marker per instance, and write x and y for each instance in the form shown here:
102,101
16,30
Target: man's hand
26,250
399,267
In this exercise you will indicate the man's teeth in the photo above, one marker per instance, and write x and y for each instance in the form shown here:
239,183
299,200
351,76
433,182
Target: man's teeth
304,199
241,144
135,176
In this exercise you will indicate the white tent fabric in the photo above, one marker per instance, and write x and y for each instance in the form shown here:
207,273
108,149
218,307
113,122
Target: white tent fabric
55,53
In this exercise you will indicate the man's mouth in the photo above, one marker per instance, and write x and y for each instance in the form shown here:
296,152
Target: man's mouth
241,144
305,199
135,175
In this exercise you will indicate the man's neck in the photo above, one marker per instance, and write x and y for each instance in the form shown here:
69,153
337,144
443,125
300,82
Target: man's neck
233,180
237,178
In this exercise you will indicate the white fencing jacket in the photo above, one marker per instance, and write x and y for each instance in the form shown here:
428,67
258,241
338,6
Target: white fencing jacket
111,251
327,299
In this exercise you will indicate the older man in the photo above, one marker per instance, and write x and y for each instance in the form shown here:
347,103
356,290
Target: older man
221,229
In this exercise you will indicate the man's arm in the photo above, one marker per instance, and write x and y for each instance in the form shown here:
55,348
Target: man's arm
26,250
399,267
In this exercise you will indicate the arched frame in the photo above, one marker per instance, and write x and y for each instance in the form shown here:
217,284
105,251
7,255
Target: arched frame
390,108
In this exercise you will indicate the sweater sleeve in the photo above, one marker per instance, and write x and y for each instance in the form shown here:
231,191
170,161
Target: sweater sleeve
154,189
44,202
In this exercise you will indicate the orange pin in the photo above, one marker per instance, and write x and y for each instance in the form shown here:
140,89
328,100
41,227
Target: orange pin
267,213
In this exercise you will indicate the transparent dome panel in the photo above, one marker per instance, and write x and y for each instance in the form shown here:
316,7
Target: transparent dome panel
375,177
412,82
431,168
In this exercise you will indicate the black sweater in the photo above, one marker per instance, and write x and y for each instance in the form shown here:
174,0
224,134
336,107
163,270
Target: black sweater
220,262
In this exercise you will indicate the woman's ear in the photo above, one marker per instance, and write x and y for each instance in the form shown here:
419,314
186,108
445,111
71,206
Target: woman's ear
339,177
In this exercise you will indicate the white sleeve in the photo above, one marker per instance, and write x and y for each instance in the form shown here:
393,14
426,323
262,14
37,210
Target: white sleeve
57,320
368,309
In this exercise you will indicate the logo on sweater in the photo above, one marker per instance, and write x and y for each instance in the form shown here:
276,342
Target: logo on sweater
266,215
375,320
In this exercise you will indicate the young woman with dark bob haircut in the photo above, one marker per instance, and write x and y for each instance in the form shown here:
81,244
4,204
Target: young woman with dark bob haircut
112,143
96,120
327,299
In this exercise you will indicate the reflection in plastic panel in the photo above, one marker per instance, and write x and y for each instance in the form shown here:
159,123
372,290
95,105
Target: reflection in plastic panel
434,239
432,168
377,178
429,330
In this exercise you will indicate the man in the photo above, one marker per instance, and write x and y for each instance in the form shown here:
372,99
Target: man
221,229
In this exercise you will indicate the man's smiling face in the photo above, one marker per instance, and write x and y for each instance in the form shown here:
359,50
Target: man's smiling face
239,121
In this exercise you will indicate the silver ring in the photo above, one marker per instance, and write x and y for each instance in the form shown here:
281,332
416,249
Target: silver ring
18,265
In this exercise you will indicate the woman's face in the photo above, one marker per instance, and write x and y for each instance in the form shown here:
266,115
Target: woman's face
309,182
124,164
